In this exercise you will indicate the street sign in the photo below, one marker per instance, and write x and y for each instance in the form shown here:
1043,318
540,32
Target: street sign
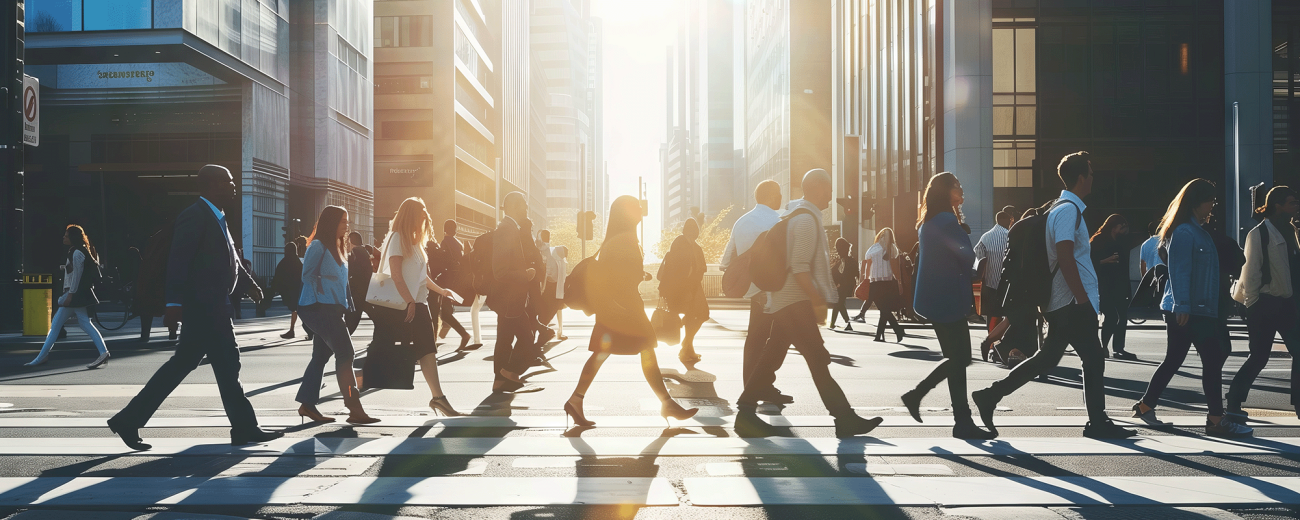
31,111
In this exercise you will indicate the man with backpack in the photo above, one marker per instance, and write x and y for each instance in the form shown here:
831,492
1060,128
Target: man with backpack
743,234
799,291
1069,299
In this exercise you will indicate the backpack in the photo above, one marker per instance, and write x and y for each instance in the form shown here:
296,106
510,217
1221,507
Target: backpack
575,286
768,266
1026,277
151,283
479,264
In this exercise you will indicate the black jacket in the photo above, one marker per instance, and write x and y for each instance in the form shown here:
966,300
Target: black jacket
204,270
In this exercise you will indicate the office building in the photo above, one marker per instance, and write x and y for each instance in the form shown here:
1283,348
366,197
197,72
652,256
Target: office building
562,38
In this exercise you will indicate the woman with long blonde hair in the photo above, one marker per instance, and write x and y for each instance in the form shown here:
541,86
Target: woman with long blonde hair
405,261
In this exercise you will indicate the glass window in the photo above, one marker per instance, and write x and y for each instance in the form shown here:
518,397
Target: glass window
1026,72
408,130
105,15
53,15
1004,60
403,31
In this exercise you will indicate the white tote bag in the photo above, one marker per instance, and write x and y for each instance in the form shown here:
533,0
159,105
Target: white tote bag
383,290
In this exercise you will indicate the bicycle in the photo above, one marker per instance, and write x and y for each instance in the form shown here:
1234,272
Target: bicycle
115,305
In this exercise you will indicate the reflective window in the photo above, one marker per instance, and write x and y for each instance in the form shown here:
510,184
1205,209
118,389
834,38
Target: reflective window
53,15
105,15
403,31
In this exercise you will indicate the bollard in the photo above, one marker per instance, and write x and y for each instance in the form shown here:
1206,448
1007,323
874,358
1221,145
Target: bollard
38,297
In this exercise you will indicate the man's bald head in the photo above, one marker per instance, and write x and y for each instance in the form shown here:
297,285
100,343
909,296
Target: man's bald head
516,206
217,185
768,193
817,187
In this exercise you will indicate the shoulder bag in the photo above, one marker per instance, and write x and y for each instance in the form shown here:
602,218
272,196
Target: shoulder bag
383,290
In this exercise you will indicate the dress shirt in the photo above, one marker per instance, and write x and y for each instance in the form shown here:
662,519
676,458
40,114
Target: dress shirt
993,246
881,269
1062,226
1151,252
743,234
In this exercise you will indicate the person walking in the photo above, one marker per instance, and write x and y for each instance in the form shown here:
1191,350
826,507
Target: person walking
388,365
475,308
1110,256
943,275
358,280
622,327
681,284
989,252
882,270
80,273
326,297
516,348
844,273
287,281
452,252
743,234
1190,304
202,272
1267,289
534,260
557,273
1148,256
148,302
1016,337
796,311
1071,311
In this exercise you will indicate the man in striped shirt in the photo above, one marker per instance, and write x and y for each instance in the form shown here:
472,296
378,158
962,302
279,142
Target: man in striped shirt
991,249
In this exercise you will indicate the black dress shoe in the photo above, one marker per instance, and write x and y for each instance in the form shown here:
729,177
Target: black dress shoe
130,436
776,397
545,336
854,425
987,404
750,425
251,437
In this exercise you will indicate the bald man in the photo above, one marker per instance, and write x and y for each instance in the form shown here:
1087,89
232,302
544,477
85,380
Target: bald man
795,311
743,234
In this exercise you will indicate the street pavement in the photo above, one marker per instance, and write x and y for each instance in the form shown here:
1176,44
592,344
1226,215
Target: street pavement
516,456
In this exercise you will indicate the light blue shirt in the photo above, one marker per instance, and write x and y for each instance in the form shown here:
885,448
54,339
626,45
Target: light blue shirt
1065,224
1150,252
324,280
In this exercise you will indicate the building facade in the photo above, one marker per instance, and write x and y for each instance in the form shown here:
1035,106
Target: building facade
438,110
562,37
137,95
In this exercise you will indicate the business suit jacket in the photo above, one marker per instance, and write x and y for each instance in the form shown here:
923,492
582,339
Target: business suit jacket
510,292
203,269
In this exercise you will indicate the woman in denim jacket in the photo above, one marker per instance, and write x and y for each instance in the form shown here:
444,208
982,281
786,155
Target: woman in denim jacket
325,297
1191,307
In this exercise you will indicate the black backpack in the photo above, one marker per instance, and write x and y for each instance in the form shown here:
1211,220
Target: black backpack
576,296
768,266
1026,281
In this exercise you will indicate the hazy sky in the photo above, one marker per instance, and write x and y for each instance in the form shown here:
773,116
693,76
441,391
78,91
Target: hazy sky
636,35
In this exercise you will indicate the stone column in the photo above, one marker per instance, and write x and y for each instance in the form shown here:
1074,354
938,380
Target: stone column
1247,79
968,105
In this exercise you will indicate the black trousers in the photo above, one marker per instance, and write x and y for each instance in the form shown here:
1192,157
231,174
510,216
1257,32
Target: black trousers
1073,325
760,329
1114,323
796,325
840,309
1269,317
214,339
516,347
954,341
1201,331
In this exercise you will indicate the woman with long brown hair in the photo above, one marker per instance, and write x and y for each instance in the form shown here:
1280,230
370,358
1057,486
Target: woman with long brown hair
78,294
405,261
1110,257
1191,307
324,298
621,323
945,269
881,267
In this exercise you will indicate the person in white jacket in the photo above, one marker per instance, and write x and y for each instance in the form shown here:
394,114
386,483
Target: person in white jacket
77,296
1268,294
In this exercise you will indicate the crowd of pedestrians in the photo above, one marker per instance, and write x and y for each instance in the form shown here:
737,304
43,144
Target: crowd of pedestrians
1043,268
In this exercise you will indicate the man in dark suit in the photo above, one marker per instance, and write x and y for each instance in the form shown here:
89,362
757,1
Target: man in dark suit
508,296
203,272
358,280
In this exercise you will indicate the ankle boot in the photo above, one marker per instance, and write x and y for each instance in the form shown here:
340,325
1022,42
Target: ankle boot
965,429
356,414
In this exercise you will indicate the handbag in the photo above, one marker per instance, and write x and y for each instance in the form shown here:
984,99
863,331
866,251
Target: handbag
382,291
1151,289
863,291
575,286
667,325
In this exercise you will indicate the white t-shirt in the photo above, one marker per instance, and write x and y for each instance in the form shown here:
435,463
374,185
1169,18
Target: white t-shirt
414,267
1065,224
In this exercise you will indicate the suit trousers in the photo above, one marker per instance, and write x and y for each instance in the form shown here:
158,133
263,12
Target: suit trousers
516,347
1074,325
760,328
213,338
796,325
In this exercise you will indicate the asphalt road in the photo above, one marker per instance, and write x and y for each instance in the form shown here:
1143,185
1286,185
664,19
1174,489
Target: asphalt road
516,457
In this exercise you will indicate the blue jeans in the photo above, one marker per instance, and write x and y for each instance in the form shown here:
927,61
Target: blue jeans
332,339
83,319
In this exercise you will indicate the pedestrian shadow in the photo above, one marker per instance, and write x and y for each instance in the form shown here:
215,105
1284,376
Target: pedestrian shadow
1106,492
699,388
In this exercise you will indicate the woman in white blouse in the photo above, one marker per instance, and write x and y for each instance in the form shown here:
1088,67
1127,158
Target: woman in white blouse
881,268
77,295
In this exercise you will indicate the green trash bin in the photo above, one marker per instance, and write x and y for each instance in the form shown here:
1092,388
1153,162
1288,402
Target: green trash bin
38,298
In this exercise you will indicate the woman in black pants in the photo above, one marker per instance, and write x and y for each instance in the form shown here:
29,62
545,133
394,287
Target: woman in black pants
1266,288
943,295
1110,252
844,273
882,272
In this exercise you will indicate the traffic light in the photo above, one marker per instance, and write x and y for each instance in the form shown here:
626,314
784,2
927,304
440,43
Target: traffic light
868,210
586,225
850,206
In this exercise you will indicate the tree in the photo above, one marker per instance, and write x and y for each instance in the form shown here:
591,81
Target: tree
564,232
714,236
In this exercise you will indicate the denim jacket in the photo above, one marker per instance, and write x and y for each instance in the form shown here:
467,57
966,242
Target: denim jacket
323,279
1193,286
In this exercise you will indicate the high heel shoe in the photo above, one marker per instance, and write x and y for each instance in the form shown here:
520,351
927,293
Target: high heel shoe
670,408
101,361
576,413
441,405
312,413
689,359
899,332
356,414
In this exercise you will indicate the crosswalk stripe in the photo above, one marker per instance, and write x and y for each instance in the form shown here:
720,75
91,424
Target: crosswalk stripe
625,421
991,491
660,446
229,491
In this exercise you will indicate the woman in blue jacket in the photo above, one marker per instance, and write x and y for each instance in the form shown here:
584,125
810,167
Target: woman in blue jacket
943,296
1191,307
325,297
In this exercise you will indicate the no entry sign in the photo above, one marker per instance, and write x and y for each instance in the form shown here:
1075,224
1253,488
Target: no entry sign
31,111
